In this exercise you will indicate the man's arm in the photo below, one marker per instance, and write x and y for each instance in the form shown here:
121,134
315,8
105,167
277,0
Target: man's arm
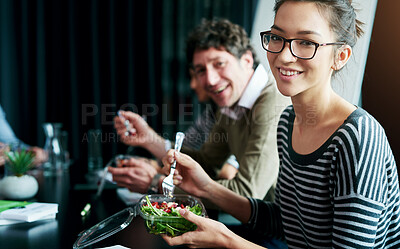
259,164
140,133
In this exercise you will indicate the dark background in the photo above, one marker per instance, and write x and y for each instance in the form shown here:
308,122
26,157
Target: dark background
381,86
58,58
77,62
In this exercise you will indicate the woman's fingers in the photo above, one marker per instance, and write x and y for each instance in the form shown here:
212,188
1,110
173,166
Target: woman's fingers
203,237
177,178
168,159
190,216
184,160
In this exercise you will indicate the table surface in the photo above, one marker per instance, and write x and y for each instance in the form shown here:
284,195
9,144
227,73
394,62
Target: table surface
62,232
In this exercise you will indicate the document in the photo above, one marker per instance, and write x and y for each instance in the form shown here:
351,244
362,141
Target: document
26,211
114,247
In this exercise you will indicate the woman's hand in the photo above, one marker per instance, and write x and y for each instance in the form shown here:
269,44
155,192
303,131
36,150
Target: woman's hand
189,175
209,233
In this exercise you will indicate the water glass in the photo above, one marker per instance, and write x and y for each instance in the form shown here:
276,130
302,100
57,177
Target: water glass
95,158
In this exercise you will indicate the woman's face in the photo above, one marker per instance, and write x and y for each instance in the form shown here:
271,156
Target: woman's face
296,76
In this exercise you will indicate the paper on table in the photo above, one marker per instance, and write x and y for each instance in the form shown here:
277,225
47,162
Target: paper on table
114,247
31,212
10,222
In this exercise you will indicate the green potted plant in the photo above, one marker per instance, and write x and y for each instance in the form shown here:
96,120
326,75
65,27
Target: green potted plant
17,185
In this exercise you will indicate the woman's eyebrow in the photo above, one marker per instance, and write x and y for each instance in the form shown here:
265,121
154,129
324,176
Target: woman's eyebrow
303,32
308,32
277,28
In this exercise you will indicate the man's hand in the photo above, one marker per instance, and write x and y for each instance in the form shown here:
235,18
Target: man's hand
3,149
136,175
40,155
140,133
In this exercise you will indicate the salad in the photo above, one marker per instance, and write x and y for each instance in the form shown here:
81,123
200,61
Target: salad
164,217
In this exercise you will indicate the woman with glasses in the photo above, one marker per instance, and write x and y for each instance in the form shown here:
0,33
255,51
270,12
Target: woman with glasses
338,183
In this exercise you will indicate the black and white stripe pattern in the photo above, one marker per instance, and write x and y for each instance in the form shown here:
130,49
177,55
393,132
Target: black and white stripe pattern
343,195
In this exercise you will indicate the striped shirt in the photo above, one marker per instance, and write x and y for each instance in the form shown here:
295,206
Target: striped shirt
343,195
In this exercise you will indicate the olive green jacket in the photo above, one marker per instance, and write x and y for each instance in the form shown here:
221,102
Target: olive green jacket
252,139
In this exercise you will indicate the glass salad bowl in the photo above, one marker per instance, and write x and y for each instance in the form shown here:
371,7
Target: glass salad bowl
161,213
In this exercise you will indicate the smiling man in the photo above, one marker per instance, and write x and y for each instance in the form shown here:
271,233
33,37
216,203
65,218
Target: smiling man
249,106
224,63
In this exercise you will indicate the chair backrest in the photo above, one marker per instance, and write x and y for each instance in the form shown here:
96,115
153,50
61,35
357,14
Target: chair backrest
347,82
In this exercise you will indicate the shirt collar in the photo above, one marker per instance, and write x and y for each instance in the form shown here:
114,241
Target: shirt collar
257,83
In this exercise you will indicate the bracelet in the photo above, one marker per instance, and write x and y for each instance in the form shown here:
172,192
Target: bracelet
153,189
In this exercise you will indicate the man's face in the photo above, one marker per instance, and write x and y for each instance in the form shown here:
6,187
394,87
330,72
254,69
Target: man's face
222,75
202,95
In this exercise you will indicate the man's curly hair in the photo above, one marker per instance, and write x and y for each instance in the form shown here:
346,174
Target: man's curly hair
219,34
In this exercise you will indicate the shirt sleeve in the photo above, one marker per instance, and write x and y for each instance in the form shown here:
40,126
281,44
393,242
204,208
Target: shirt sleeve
232,161
265,219
365,174
7,135
258,155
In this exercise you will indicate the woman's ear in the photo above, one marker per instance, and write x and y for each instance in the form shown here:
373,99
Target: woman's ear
342,56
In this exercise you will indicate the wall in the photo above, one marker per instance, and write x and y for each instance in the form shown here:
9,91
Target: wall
381,87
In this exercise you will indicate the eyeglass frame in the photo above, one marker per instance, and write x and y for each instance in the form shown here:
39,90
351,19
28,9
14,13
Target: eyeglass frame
317,45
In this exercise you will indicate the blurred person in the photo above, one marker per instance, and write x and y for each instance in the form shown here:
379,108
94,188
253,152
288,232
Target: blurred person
196,135
8,137
338,184
142,174
4,148
249,105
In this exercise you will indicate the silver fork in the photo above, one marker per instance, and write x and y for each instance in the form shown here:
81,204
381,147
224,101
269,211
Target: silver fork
168,183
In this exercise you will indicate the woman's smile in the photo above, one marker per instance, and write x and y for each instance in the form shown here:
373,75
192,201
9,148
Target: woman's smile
287,74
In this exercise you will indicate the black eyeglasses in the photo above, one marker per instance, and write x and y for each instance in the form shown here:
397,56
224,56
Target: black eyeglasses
299,48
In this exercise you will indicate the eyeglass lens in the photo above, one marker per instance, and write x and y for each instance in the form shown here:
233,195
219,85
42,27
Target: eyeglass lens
299,48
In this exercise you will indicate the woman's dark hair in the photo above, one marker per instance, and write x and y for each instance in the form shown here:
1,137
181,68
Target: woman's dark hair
341,17
219,34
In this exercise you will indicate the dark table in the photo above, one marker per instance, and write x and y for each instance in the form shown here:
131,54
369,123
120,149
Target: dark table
62,232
